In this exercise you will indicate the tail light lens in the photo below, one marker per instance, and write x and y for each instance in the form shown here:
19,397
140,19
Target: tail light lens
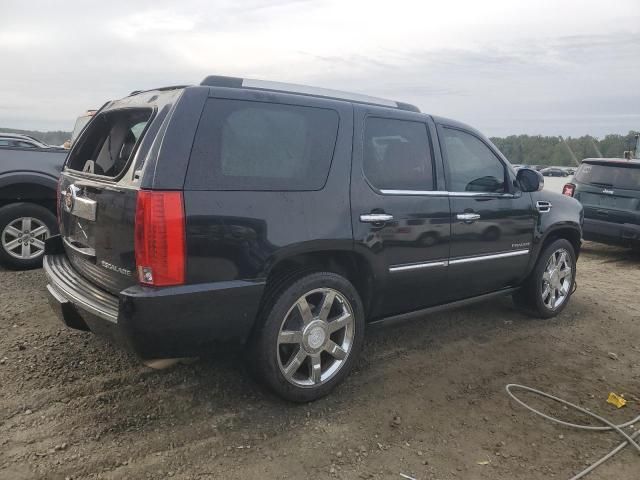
569,189
160,238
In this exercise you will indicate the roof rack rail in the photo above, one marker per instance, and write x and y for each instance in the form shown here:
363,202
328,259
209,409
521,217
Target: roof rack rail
237,82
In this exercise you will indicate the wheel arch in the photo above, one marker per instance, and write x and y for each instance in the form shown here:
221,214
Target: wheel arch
568,231
342,260
30,187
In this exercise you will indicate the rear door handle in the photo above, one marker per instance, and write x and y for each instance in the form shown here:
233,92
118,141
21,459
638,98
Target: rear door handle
468,217
375,217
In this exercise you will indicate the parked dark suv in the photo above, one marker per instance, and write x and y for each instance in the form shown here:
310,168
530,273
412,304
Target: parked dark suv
287,218
609,189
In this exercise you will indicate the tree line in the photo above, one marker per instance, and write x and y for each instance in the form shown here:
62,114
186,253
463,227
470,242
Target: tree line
543,150
519,149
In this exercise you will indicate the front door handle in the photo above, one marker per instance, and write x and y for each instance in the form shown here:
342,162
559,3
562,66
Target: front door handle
468,217
375,217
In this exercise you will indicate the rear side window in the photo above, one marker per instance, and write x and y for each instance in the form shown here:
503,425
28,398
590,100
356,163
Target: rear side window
397,155
244,145
109,143
618,176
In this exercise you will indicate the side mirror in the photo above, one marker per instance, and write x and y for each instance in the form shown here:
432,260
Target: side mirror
530,180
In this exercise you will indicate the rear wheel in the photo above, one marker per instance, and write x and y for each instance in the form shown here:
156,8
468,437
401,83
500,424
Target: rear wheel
23,229
548,289
310,336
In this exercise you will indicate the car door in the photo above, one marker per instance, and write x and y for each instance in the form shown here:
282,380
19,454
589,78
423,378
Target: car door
492,222
400,218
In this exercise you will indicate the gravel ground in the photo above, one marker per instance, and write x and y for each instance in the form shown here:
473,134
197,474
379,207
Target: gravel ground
427,399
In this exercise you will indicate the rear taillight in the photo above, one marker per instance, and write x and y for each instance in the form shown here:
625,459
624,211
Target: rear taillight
568,189
160,238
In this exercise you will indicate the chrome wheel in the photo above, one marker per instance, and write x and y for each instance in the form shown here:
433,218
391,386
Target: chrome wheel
557,279
24,238
315,337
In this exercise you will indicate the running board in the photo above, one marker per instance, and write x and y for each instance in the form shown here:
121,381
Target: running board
403,317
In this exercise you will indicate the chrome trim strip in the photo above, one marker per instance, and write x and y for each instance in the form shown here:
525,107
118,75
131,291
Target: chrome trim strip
492,256
455,261
441,193
434,193
416,266
482,194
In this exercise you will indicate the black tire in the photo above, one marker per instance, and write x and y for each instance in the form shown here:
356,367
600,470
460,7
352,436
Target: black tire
529,299
13,212
266,354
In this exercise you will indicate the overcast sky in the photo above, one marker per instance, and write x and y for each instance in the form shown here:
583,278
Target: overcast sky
560,67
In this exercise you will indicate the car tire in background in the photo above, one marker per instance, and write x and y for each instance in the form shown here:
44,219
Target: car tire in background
309,337
547,290
23,230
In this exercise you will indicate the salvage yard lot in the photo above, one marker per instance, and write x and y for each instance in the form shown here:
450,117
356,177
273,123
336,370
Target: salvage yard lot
427,398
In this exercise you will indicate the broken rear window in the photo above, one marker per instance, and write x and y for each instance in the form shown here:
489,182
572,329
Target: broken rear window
109,142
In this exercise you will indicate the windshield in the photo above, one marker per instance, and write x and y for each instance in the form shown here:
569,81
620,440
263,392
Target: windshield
610,176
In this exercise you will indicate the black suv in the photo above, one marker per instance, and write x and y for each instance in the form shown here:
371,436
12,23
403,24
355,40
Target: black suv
609,189
288,218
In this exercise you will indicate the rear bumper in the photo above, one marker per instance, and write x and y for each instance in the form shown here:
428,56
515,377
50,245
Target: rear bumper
154,322
610,232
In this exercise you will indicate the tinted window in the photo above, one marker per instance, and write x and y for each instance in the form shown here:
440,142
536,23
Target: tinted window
25,145
471,165
397,155
243,145
625,177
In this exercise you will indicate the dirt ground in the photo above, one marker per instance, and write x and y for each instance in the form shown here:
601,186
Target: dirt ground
426,400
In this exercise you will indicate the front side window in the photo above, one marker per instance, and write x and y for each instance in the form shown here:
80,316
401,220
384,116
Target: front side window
246,145
471,165
397,155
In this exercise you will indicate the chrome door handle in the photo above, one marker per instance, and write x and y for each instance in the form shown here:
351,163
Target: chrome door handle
468,217
375,217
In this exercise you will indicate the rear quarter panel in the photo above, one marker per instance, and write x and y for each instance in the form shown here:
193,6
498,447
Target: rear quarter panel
235,235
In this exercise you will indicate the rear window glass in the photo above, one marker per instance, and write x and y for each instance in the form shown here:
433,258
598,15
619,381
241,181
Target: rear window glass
109,142
244,145
618,176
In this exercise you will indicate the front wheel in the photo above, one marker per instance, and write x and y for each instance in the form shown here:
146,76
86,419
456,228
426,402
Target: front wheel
548,289
310,336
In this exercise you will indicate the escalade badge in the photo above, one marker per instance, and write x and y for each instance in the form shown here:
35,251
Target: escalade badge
115,268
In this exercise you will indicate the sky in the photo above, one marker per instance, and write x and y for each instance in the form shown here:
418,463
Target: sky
560,67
